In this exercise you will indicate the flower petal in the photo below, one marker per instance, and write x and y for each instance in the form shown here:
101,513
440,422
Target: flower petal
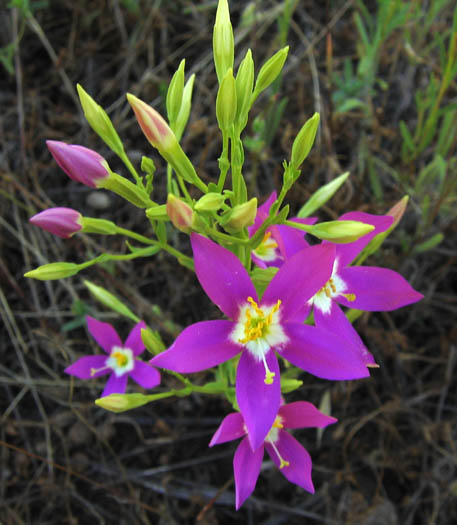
115,385
258,402
291,240
300,464
335,321
322,353
302,414
300,278
145,375
346,253
105,335
377,289
134,341
198,347
83,366
222,276
246,467
232,427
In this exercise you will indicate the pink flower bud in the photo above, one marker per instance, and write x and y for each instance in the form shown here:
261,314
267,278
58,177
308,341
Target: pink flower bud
63,222
155,128
79,163
180,213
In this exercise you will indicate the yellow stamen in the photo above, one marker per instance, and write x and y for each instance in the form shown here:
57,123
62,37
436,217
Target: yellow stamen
277,423
255,327
271,244
283,462
121,358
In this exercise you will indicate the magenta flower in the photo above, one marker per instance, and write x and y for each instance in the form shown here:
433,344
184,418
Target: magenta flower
258,329
121,361
289,456
363,287
63,222
79,163
280,242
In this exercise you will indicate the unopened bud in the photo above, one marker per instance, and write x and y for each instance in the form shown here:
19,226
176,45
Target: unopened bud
241,216
226,101
210,202
340,231
304,141
175,93
270,71
223,43
180,213
322,195
53,271
152,341
244,86
63,222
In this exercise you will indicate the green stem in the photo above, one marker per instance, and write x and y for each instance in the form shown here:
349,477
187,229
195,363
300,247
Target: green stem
131,168
224,163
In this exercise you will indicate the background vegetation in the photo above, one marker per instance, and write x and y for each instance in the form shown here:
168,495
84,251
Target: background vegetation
382,74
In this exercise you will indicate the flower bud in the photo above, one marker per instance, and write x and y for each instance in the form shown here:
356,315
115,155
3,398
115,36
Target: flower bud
210,202
52,271
180,213
223,43
79,163
100,121
226,101
241,216
157,213
153,125
152,341
322,195
101,226
63,222
110,301
175,93
184,111
304,141
123,402
340,231
244,86
270,70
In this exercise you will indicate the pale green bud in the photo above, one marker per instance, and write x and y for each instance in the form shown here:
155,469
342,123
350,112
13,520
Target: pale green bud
340,231
175,93
304,141
52,271
223,43
322,195
157,213
122,402
289,385
110,301
270,71
100,121
102,226
184,111
244,86
147,165
226,102
240,216
210,202
152,341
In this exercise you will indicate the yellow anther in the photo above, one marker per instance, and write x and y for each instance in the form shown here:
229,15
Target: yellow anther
277,423
255,306
254,326
332,285
121,359
265,239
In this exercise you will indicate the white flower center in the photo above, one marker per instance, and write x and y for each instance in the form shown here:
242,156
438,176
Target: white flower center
267,250
259,329
334,287
121,360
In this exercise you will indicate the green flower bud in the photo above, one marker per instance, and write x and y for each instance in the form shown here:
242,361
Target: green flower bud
175,93
223,44
244,86
304,141
52,271
102,226
122,402
289,385
152,341
322,195
226,102
184,111
240,216
157,213
210,202
110,301
269,71
340,231
100,121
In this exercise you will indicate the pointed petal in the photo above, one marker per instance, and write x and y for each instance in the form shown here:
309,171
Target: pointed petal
198,347
134,341
302,414
222,276
105,335
115,385
335,321
232,427
258,402
300,464
246,467
83,366
346,253
145,375
300,278
290,241
322,353
377,289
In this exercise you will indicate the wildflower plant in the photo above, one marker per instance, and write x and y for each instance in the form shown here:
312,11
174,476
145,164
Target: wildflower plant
279,293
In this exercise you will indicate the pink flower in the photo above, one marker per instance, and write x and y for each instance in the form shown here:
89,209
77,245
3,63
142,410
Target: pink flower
289,456
63,222
260,328
79,163
121,362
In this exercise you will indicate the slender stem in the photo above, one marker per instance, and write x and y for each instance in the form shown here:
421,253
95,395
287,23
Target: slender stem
134,235
224,163
131,168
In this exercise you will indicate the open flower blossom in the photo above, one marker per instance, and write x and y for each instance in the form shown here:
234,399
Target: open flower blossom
258,329
279,241
366,288
121,362
63,222
289,456
80,163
